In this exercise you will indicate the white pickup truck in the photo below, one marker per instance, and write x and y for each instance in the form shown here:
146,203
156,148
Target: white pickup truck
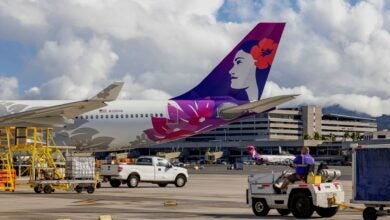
146,169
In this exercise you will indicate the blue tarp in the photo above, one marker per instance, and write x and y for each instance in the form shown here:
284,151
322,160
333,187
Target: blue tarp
372,174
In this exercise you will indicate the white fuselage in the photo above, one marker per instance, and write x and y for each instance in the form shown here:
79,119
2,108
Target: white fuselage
117,125
277,159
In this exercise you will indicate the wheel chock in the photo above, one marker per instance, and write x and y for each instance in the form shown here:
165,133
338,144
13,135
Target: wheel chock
105,217
170,203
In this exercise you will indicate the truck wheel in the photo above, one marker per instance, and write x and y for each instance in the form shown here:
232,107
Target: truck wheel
47,189
180,180
90,189
132,181
115,183
38,189
301,205
327,212
162,184
370,213
283,212
260,207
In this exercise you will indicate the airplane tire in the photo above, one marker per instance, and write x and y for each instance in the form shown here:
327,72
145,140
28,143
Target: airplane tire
260,207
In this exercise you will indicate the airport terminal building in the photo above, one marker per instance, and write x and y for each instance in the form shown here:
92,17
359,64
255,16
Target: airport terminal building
286,129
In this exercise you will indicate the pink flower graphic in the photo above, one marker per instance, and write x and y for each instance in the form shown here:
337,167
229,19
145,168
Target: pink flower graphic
186,118
264,53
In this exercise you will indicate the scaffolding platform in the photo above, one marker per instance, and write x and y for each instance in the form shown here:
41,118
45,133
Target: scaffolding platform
34,149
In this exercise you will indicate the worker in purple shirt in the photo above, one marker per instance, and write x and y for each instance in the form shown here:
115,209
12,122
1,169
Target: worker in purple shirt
301,163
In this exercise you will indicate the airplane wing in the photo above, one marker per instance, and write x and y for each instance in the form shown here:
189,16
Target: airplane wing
255,107
60,115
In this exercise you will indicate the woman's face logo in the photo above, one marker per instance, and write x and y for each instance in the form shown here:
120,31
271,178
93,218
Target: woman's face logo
244,70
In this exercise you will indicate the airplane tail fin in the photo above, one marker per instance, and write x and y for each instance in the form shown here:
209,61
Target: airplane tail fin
242,74
253,152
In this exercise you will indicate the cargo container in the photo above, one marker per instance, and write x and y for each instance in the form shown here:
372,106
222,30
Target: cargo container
371,179
80,168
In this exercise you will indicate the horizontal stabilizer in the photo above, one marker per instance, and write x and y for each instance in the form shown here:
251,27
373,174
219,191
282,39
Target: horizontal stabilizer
110,93
59,115
255,107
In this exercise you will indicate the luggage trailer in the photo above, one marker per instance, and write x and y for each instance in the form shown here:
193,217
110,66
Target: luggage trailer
371,179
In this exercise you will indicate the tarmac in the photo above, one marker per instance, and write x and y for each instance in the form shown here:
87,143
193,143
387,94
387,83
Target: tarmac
211,193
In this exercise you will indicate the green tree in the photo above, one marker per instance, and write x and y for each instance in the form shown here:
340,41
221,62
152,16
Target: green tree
317,136
354,136
332,137
306,137
346,135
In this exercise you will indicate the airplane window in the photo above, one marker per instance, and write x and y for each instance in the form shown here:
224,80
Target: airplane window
156,115
131,116
112,116
161,114
76,117
136,115
127,115
81,117
146,115
86,117
121,115
101,116
116,116
141,115
91,116
106,116
97,116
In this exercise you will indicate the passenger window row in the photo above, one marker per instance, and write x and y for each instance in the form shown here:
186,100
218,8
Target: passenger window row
118,116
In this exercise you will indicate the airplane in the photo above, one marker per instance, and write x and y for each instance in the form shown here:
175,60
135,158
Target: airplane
270,159
229,93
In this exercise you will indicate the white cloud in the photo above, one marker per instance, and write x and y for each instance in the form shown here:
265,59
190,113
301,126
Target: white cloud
372,105
331,52
8,88
136,90
74,68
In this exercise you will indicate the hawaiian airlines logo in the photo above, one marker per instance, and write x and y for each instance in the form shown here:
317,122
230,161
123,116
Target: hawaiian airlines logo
251,66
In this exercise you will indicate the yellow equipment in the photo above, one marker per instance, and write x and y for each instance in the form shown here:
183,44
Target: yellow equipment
313,179
36,148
